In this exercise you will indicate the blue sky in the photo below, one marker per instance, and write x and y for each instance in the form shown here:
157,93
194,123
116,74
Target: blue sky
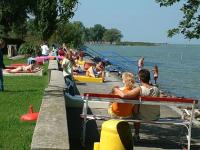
138,20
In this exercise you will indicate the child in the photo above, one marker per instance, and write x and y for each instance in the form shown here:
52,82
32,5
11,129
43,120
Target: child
67,65
123,110
155,73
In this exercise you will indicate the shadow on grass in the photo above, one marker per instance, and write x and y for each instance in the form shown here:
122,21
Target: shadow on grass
12,91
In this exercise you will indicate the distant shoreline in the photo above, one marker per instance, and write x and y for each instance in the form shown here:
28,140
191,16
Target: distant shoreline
127,43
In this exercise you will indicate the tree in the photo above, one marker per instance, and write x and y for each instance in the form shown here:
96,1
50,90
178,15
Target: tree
70,33
45,17
91,34
87,35
97,32
66,9
49,12
32,34
2,31
13,14
189,26
112,35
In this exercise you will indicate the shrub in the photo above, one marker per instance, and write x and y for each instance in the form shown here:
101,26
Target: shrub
27,48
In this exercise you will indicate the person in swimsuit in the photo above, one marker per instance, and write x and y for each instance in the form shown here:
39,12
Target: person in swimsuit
32,67
140,63
155,73
96,71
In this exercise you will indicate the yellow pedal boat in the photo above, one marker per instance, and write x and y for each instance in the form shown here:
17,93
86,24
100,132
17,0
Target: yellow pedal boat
83,78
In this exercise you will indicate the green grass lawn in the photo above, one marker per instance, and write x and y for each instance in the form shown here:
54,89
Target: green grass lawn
20,92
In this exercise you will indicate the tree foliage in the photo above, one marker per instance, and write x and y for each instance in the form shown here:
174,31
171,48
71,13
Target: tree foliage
46,15
97,32
75,34
50,12
36,20
112,35
13,14
66,9
70,33
27,48
189,26
88,35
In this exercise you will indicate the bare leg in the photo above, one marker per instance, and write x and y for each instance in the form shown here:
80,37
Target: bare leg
17,69
90,72
103,75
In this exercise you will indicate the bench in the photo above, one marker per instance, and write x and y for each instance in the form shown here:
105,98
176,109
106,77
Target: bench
183,102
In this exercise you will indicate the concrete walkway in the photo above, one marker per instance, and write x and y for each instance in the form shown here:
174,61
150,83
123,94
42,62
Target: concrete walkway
51,130
153,137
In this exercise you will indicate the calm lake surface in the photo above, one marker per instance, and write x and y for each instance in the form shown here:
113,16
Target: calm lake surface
179,65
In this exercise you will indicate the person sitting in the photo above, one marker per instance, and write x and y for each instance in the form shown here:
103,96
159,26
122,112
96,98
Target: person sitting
53,51
145,112
96,71
123,110
75,54
33,67
80,60
64,47
61,52
30,59
80,63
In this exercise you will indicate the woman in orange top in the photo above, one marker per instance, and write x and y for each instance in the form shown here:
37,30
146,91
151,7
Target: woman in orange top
123,110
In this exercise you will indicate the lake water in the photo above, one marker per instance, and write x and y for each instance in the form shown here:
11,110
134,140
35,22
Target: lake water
179,65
